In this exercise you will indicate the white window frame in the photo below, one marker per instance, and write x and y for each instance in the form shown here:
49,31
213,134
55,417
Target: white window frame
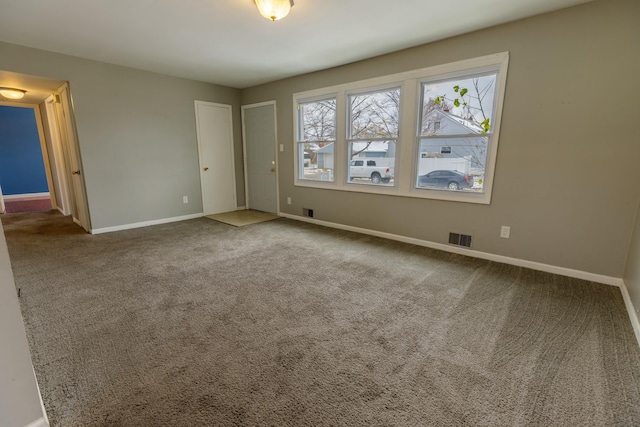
297,140
347,129
407,145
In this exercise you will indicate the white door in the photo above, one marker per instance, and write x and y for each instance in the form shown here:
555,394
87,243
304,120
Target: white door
259,137
79,209
214,127
56,158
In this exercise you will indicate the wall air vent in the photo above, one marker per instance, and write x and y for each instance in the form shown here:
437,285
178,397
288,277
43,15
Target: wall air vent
460,239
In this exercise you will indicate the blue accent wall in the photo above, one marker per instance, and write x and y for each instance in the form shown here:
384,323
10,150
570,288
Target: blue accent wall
21,164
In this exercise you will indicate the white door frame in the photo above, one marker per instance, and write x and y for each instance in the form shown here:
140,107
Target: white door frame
275,150
43,148
199,138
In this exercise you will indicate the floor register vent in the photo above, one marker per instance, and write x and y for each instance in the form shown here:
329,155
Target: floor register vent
460,239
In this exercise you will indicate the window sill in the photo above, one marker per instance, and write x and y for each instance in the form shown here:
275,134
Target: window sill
460,196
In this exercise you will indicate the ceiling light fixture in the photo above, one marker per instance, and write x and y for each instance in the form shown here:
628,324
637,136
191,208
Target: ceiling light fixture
11,93
274,9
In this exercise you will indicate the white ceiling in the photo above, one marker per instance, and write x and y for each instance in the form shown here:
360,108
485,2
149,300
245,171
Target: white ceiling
227,42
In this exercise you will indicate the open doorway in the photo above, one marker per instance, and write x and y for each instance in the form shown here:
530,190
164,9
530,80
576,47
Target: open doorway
51,104
24,180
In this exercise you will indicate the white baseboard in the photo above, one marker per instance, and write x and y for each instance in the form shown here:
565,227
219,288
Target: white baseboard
241,208
633,315
26,196
42,422
592,277
145,223
45,418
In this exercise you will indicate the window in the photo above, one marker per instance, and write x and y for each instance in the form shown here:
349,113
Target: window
373,132
457,112
429,133
316,139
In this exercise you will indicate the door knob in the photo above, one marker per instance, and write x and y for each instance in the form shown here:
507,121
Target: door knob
206,169
76,172
273,169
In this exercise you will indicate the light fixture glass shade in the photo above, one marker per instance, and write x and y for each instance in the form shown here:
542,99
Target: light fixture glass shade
11,93
274,9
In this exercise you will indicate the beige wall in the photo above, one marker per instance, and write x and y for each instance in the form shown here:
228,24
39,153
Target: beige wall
632,272
566,175
136,132
19,400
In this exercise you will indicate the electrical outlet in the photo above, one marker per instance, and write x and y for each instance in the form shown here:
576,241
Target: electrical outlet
281,147
185,199
505,232
288,200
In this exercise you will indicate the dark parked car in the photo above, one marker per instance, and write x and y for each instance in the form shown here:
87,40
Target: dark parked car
451,180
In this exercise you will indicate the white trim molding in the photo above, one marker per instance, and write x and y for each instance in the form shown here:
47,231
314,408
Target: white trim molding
633,315
26,196
563,271
146,223
44,410
42,422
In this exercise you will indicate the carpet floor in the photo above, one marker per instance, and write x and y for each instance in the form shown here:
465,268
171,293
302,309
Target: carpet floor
283,323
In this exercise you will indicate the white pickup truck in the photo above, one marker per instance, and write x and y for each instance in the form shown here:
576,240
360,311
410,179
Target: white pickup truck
377,170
